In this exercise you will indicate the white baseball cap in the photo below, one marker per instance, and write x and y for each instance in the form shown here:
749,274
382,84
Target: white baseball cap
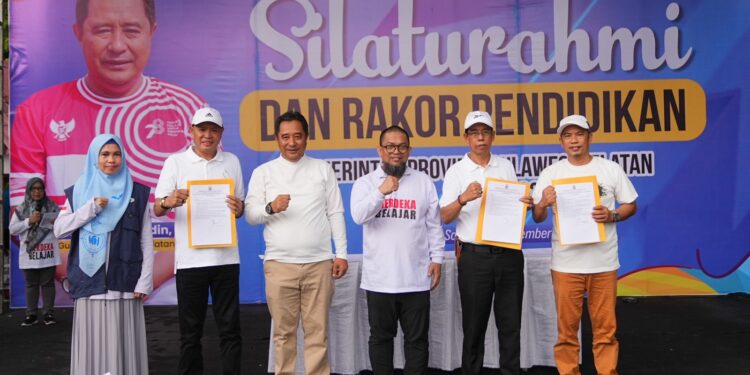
207,114
576,120
478,117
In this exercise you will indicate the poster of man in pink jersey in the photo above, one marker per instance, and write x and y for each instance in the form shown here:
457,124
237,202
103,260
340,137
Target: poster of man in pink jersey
52,129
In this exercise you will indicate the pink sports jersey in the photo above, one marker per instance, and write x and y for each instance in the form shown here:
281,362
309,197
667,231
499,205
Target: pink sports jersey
53,128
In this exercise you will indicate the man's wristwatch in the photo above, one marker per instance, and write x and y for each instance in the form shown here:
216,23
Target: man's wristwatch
162,205
269,209
615,217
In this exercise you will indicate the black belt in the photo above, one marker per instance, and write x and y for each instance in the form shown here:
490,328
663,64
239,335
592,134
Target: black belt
487,249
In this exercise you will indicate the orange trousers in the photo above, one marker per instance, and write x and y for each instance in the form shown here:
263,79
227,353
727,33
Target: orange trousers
602,298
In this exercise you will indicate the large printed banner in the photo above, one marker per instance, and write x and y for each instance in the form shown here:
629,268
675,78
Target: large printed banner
663,83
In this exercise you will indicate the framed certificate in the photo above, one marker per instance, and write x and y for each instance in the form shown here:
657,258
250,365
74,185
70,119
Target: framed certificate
210,222
576,198
502,215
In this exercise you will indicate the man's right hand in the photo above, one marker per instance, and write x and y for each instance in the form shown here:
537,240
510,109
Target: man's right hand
389,185
281,203
549,197
177,198
473,191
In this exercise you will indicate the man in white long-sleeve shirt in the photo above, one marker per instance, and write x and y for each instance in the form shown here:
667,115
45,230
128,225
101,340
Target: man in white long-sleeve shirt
298,199
398,209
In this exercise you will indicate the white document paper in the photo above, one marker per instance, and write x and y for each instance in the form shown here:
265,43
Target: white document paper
210,218
575,204
504,212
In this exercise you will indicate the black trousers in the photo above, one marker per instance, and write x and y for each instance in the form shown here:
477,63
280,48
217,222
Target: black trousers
484,271
193,286
385,311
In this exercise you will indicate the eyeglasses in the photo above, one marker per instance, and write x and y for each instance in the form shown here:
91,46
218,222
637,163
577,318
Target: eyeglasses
477,132
402,148
36,188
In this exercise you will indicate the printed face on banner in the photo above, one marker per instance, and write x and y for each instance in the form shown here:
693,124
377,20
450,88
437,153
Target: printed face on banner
575,142
116,41
292,140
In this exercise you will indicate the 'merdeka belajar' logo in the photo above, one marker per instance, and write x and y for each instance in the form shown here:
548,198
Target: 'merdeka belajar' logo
395,208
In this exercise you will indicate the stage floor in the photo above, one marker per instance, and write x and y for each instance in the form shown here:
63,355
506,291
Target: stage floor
658,335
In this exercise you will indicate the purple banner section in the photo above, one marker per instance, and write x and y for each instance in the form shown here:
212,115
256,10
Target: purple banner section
663,81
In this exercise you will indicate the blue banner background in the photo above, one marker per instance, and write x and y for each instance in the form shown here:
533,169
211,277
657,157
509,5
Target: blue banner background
693,212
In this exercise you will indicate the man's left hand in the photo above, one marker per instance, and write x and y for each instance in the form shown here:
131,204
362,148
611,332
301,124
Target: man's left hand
601,214
527,199
235,205
340,266
434,273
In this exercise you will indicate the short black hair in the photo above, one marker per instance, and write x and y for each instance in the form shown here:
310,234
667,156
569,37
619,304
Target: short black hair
290,116
394,128
82,11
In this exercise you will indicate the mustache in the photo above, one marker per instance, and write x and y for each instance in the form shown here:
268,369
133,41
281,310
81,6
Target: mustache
395,170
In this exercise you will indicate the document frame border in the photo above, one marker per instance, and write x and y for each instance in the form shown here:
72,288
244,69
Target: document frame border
217,181
597,201
480,223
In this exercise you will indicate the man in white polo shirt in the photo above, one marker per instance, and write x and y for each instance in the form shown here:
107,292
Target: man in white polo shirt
586,268
204,270
298,199
398,209
483,270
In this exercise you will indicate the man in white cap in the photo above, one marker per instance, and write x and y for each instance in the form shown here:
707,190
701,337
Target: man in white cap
200,271
586,268
483,270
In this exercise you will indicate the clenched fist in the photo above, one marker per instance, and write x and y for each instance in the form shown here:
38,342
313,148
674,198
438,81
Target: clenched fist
390,184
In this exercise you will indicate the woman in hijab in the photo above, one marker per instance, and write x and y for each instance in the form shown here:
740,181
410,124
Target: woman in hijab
110,262
39,251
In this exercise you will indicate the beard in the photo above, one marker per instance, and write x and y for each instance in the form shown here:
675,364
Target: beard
395,170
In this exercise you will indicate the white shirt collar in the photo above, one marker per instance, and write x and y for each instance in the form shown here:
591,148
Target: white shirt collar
195,158
289,162
470,165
